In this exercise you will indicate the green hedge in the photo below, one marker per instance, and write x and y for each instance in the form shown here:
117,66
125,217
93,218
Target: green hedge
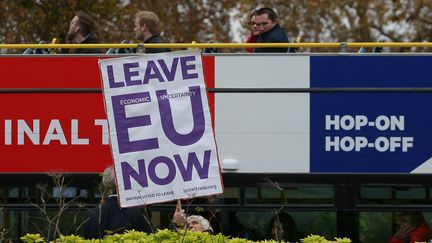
168,236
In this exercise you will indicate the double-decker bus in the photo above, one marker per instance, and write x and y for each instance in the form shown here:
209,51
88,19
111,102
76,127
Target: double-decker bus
341,142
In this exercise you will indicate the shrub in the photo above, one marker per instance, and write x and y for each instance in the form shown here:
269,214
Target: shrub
168,236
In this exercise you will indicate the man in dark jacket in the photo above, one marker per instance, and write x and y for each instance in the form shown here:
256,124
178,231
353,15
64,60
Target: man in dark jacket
270,31
108,218
147,29
80,32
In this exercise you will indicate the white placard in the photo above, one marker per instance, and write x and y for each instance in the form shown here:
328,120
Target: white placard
160,128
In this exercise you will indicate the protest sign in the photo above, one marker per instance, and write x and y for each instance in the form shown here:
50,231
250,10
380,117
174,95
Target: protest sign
160,128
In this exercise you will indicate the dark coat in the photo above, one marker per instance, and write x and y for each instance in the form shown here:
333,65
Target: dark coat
273,35
90,39
154,40
110,218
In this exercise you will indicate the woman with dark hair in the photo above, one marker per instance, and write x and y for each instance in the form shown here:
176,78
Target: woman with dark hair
412,227
283,228
254,31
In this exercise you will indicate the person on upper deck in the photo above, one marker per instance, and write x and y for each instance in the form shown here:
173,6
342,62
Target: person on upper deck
254,31
270,31
147,29
80,32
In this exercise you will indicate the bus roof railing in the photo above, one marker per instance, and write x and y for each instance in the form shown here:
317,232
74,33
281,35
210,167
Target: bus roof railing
223,45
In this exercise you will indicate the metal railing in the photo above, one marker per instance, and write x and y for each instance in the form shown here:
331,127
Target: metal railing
239,90
222,45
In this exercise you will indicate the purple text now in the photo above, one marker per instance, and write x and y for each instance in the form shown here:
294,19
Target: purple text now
148,170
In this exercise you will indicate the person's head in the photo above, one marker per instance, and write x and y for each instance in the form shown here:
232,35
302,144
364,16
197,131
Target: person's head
109,181
81,24
252,24
198,223
146,24
281,225
265,19
413,219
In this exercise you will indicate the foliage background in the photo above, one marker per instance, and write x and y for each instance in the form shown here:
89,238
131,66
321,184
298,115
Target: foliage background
30,21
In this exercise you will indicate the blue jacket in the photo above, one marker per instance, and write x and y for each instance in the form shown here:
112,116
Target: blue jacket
273,35
110,218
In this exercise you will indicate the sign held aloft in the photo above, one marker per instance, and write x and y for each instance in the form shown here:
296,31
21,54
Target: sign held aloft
160,128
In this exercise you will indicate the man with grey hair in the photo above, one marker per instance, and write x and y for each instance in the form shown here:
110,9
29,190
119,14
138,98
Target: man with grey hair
147,29
108,217
108,185
198,223
193,222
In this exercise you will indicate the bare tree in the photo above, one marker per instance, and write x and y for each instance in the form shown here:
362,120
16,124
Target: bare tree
53,219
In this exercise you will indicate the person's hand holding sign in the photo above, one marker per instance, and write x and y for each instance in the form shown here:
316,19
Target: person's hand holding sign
179,217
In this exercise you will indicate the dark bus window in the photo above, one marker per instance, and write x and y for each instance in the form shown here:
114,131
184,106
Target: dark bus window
290,194
322,223
375,226
67,192
394,194
231,195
